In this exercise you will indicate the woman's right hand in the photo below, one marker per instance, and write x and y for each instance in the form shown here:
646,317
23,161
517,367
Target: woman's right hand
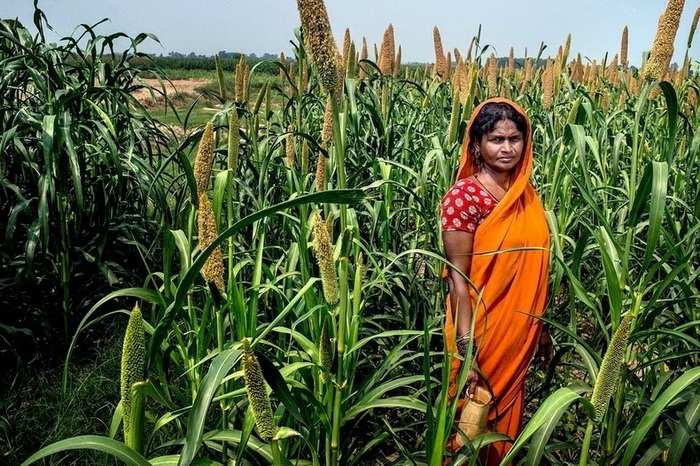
472,381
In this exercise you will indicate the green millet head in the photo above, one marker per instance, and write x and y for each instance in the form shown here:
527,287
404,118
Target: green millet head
220,76
325,351
133,363
324,255
257,394
609,373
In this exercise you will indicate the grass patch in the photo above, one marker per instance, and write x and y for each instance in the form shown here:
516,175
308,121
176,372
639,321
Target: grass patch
33,413
201,113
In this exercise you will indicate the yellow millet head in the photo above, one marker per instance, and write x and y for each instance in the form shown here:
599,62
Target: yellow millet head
304,156
493,76
324,255
397,63
623,47
609,374
346,45
662,49
388,52
511,61
257,394
203,161
327,131
458,56
290,153
548,85
693,26
440,61
283,62
363,56
319,41
567,48
213,269
320,173
233,140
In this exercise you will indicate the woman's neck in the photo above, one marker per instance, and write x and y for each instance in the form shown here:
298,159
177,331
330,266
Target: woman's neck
501,179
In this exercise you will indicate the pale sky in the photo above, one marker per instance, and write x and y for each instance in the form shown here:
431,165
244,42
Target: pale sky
208,26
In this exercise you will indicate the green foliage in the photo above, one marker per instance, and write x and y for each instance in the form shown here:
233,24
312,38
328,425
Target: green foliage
80,157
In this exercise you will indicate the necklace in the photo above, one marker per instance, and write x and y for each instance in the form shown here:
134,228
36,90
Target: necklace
487,189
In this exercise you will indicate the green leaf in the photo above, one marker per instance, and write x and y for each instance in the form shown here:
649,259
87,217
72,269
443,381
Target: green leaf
279,386
406,402
541,436
91,442
671,118
171,460
234,437
655,410
551,406
341,196
149,296
684,431
659,186
612,277
220,367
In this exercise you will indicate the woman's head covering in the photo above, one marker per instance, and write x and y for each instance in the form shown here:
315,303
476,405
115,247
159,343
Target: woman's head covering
522,171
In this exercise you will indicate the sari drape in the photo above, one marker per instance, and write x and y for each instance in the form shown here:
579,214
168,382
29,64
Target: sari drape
513,286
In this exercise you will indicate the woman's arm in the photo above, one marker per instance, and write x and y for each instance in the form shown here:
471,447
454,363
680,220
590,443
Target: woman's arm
458,248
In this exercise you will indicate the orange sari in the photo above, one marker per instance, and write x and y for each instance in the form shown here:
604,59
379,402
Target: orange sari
513,286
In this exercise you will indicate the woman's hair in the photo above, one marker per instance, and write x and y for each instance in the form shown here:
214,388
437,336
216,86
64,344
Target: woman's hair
489,115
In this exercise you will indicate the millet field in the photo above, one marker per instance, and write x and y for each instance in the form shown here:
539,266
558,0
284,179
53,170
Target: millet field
253,274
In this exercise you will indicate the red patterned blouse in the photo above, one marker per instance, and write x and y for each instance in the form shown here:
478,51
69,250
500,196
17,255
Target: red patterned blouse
465,206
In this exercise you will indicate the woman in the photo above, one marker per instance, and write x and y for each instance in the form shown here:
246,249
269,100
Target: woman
491,210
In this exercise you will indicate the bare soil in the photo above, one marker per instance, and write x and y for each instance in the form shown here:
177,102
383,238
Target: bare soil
178,90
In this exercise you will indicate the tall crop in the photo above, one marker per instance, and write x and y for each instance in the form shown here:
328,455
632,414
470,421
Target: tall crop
333,266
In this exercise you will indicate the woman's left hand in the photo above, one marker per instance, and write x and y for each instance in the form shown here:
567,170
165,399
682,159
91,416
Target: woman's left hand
545,350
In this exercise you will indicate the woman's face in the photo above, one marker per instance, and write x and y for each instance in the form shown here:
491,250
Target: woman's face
502,148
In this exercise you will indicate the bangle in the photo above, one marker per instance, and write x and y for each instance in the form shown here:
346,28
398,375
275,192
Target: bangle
463,344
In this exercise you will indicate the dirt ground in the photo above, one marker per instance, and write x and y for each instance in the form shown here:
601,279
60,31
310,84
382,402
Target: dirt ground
181,88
